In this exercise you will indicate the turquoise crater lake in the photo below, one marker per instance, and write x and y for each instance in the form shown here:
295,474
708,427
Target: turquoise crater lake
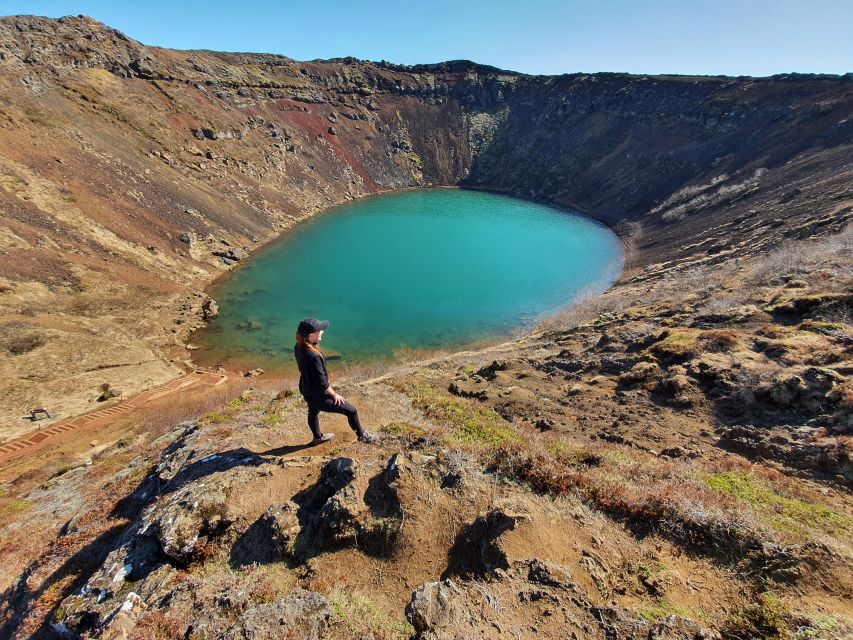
419,269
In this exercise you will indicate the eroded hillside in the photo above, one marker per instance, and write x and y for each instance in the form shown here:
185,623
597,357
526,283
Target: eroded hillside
131,175
669,460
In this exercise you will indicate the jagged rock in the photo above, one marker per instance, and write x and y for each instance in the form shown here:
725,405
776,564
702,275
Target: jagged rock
283,527
230,256
549,574
544,425
801,451
784,390
108,392
254,373
597,569
469,389
124,620
347,508
674,627
620,623
209,309
191,517
302,614
488,372
338,473
435,605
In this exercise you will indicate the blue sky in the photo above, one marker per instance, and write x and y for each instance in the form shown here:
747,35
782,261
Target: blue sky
733,37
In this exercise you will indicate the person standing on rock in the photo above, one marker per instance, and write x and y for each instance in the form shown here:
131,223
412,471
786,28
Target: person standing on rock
314,383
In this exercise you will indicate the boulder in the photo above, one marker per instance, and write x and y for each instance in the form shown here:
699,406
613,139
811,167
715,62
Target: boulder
549,574
436,605
301,614
192,517
209,309
124,620
108,391
283,527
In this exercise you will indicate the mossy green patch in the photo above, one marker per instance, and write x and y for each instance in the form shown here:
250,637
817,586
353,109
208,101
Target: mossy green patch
16,507
236,403
662,607
403,429
781,512
216,418
469,424
676,345
271,419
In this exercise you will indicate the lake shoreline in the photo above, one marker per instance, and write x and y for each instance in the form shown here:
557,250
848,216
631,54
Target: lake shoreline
611,273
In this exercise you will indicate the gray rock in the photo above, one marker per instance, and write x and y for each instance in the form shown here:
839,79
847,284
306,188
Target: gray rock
674,627
549,574
436,605
283,527
302,614
209,309
188,520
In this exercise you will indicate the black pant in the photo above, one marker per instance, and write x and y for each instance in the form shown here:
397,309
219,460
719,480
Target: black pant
316,405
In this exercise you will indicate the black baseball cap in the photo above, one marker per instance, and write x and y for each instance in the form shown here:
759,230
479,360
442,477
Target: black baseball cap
310,325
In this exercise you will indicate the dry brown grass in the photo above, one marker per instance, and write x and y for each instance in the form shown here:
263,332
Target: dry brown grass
731,506
803,259
587,306
184,407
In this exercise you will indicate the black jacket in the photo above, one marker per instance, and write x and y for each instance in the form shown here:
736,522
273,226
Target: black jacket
313,377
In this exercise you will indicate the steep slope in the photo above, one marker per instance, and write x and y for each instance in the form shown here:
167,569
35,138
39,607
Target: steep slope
125,167
669,460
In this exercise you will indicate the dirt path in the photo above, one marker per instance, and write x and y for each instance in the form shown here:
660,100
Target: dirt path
34,441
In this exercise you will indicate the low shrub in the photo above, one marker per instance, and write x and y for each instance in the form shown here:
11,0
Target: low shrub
766,618
719,340
18,338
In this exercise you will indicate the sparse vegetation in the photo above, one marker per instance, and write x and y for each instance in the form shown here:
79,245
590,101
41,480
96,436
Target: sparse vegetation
18,338
355,615
768,618
403,429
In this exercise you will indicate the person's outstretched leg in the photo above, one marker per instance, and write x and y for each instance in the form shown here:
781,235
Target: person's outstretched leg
348,409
